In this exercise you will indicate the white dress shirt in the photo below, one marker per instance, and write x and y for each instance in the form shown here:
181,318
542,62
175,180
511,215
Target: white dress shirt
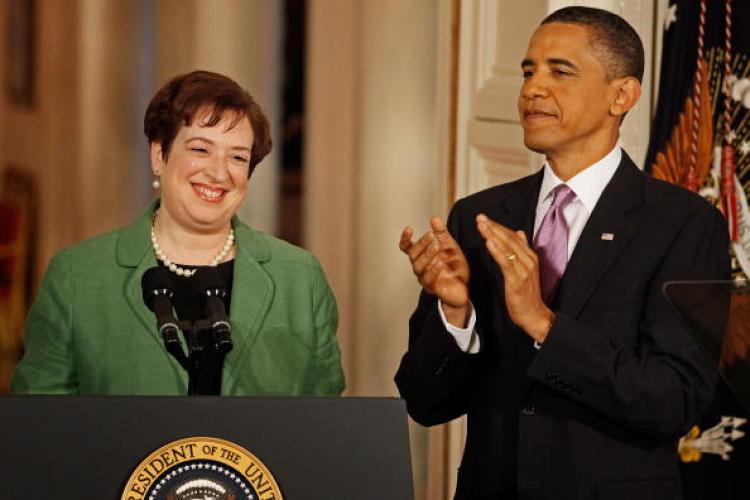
588,186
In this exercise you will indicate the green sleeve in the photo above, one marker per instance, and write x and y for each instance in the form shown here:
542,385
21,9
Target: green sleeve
326,377
48,366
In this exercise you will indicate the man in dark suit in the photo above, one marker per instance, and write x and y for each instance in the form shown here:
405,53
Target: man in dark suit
542,316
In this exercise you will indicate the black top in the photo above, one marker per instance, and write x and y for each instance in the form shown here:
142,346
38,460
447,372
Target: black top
206,364
187,303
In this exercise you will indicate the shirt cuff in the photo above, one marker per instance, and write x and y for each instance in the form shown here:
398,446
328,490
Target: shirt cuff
466,338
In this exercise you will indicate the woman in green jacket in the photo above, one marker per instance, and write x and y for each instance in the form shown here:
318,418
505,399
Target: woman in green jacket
89,331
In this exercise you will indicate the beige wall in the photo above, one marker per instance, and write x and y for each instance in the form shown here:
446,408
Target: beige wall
3,105
81,138
331,149
114,76
371,168
43,140
396,182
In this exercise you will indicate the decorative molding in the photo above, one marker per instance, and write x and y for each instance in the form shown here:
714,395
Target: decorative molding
495,155
455,26
502,33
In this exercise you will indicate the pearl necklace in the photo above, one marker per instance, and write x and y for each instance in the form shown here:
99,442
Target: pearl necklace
189,272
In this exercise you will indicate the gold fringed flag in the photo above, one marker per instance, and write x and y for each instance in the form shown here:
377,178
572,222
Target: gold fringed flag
701,140
701,134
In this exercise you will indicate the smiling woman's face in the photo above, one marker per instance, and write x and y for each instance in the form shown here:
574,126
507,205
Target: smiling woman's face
204,179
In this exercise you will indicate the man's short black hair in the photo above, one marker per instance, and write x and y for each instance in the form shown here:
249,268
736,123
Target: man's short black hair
614,41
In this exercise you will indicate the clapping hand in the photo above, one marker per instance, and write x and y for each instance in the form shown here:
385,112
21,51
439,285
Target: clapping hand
441,268
520,267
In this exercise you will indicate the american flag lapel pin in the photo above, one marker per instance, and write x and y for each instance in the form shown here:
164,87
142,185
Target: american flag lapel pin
608,236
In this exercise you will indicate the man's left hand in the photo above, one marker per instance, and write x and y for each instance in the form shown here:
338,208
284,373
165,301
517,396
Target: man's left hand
520,267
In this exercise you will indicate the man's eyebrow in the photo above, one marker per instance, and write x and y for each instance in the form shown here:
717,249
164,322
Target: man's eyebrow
562,62
554,61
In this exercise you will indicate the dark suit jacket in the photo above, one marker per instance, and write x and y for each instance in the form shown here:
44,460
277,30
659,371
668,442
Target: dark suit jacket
597,412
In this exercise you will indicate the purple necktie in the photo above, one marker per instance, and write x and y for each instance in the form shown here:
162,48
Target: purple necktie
551,242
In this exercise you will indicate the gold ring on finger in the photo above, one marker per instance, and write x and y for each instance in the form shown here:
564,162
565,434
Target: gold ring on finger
511,256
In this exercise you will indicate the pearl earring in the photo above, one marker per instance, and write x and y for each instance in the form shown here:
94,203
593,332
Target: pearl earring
156,184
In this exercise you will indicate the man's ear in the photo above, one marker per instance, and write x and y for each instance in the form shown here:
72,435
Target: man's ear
157,158
628,93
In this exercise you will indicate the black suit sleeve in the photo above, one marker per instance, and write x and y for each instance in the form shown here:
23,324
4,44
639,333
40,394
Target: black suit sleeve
434,372
664,384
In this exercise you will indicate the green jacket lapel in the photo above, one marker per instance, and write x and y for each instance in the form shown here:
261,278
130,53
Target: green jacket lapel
134,251
252,295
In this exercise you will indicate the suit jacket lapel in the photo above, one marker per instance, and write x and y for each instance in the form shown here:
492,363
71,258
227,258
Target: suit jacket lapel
519,207
517,212
593,254
134,251
252,295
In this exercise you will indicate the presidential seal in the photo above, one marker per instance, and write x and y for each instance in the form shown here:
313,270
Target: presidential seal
201,468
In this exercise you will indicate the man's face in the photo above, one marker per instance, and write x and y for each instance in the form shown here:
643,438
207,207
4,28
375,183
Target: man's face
565,100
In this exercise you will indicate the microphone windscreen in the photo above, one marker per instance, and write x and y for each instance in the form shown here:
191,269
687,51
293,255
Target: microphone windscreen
156,278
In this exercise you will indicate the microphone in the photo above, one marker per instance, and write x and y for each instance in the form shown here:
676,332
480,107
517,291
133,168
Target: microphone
213,292
157,294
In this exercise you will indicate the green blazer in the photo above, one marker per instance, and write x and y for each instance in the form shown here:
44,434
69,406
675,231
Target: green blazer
89,332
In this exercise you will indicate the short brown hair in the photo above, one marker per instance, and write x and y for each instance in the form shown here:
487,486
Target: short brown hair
175,104
615,42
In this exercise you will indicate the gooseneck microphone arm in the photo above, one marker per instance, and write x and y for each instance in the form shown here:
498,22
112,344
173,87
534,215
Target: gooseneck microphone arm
157,294
213,295
208,340
215,337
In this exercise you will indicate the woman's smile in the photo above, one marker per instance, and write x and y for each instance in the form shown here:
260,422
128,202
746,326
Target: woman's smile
209,193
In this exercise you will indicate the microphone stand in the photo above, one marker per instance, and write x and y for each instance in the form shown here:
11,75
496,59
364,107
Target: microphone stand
205,358
208,339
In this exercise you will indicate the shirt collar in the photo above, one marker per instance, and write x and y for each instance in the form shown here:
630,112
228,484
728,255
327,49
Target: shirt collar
588,184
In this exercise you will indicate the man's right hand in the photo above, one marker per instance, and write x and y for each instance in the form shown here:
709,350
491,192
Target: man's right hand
441,268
